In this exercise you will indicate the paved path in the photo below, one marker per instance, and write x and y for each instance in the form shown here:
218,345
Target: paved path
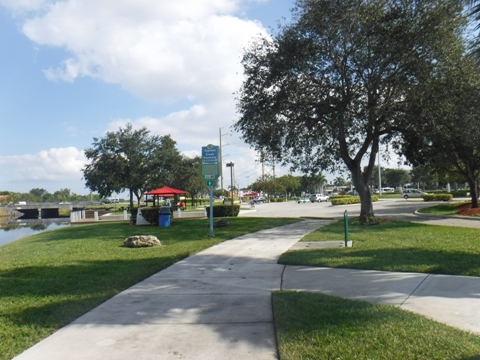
398,209
213,305
217,304
453,300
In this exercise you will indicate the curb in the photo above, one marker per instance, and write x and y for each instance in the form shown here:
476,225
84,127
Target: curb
451,217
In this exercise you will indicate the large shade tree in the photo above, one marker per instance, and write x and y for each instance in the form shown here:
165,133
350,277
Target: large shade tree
189,177
290,183
132,160
328,88
446,135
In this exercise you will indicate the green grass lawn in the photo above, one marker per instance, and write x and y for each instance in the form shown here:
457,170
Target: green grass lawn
395,246
316,326
50,279
443,209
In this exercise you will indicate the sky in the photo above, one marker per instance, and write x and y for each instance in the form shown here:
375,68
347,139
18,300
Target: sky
71,70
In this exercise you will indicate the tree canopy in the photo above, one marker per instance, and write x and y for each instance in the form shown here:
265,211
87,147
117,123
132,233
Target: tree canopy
331,86
131,160
446,133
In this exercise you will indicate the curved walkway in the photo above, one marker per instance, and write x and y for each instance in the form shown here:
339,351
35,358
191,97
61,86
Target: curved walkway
213,305
217,304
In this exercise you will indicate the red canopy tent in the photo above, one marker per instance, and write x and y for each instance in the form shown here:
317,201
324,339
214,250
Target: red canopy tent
165,192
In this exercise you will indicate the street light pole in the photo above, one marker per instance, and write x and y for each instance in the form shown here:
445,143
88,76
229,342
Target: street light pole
231,165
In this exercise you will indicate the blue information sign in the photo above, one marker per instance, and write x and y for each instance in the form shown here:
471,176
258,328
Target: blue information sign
210,154
210,162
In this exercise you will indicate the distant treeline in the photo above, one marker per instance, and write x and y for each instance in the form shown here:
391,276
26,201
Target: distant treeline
38,195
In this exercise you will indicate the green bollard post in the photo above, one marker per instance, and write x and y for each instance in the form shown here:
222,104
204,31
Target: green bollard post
345,224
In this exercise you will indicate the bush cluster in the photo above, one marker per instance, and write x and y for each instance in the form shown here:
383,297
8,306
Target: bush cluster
151,214
277,199
340,196
223,210
460,193
437,197
345,200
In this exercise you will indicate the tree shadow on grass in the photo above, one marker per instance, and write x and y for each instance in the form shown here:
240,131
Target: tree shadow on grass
43,291
313,325
401,260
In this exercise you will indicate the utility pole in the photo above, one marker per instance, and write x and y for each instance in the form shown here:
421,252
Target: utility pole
220,160
221,156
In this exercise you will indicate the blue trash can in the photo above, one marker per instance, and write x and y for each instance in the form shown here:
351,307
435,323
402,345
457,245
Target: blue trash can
164,217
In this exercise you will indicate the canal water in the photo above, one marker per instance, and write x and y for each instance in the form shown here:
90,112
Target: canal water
12,229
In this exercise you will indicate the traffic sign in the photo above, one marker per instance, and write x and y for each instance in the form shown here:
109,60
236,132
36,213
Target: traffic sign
210,182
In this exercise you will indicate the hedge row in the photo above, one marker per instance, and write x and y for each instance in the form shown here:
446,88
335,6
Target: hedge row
340,196
345,200
223,210
459,193
277,199
437,197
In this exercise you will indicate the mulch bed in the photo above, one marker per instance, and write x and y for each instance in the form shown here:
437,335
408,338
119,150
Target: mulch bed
466,210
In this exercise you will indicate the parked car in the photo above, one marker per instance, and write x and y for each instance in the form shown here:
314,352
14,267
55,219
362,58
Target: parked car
318,198
412,193
260,199
389,190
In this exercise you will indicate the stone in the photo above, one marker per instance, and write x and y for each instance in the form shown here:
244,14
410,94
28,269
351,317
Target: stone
141,241
221,223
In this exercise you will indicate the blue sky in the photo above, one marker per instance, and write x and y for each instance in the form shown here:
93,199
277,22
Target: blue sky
71,70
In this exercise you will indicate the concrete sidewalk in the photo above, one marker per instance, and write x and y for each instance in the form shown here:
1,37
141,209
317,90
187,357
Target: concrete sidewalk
217,304
453,300
213,305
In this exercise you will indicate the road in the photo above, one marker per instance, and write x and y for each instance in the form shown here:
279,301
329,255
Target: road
398,209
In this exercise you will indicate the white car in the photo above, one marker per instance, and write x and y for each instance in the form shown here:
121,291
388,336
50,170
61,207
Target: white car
412,193
318,198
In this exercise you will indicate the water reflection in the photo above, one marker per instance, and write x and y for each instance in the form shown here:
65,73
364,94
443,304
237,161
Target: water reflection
15,229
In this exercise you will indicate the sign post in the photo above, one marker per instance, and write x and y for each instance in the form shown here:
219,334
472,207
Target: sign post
210,172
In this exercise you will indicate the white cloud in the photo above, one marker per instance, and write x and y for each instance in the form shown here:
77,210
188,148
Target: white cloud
167,51
159,50
57,165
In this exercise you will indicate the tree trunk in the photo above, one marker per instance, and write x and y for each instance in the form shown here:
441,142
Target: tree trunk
367,216
131,199
473,192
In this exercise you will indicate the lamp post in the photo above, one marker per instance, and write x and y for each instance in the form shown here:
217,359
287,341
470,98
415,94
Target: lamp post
221,156
231,165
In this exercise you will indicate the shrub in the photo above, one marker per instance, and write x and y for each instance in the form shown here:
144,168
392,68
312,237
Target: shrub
277,199
340,196
460,193
438,192
223,210
151,214
345,200
437,197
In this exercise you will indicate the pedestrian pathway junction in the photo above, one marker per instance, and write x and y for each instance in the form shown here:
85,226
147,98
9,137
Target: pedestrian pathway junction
217,303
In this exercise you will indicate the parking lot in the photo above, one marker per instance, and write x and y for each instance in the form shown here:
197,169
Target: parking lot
395,209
